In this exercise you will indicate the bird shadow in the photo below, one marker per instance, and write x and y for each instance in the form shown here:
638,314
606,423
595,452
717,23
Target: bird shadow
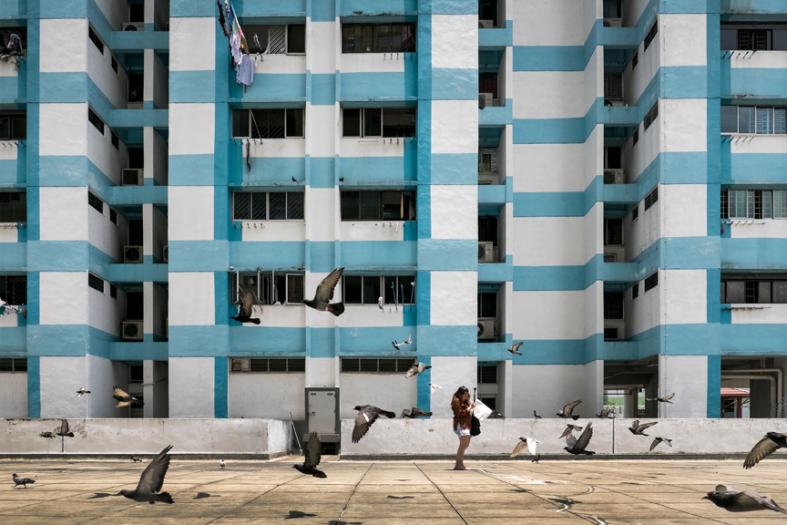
400,497
203,495
297,514
98,495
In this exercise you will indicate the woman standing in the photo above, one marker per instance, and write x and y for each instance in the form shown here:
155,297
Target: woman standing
462,407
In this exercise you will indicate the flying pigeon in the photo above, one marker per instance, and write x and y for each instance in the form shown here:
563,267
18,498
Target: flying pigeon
741,500
770,443
569,429
514,350
21,481
579,446
48,435
415,412
124,399
367,415
63,431
657,441
246,307
151,481
535,415
605,413
82,391
665,399
568,410
399,344
135,459
639,430
416,369
435,387
532,447
324,294
311,457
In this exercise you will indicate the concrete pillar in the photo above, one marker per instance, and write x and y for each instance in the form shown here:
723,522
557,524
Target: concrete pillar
630,403
505,388
593,398
687,377
154,388
651,391
191,387
450,373
760,399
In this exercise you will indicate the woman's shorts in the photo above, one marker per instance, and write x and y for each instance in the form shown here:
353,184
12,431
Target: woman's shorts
461,432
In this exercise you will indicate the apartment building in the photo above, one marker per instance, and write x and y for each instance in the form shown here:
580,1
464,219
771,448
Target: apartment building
601,179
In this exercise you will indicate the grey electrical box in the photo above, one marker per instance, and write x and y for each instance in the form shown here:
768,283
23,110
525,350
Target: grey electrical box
322,413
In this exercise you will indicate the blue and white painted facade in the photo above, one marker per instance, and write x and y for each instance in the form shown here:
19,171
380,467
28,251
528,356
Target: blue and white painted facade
549,127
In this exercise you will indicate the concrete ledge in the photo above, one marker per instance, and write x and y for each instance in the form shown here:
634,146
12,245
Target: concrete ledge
252,438
434,438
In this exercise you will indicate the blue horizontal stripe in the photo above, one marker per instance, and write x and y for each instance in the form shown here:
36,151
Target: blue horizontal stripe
753,254
376,171
447,255
13,341
191,86
497,37
191,170
753,168
13,256
321,89
349,8
496,115
437,340
452,84
399,87
270,87
453,168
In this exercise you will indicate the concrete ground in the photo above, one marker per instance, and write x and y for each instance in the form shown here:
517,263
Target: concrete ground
391,492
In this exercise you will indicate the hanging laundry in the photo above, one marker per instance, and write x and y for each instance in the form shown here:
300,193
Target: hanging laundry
222,19
245,71
237,55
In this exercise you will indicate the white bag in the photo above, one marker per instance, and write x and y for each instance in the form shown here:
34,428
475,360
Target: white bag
481,411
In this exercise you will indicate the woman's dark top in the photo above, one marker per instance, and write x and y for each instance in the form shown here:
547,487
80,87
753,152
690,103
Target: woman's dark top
462,413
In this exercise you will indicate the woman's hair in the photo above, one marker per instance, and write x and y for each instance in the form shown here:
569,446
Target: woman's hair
462,390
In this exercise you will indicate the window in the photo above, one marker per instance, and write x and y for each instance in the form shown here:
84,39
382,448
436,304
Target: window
13,207
113,291
635,291
261,206
613,158
651,115
613,305
635,212
13,40
753,204
635,60
487,304
613,86
651,34
753,291
95,202
487,374
95,39
754,36
652,198
276,39
274,123
13,126
652,281
367,289
13,289
389,205
754,39
95,282
613,232
610,334
95,120
269,365
760,120
8,364
378,38
378,122
269,287
373,365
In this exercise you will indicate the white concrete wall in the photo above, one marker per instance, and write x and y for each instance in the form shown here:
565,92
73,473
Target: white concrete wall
393,392
267,395
546,388
59,378
103,375
451,373
191,381
687,377
13,394
63,298
322,371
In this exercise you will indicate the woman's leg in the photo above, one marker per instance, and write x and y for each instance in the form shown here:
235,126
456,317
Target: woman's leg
464,442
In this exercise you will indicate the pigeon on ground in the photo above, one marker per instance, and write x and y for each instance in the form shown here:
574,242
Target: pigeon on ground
415,412
135,459
579,446
495,414
514,350
536,415
657,441
367,415
639,430
324,294
151,481
82,391
124,399
416,369
770,443
741,500
399,344
569,429
63,431
532,447
311,457
246,307
21,481
568,410
222,464
48,435
297,514
665,399
606,413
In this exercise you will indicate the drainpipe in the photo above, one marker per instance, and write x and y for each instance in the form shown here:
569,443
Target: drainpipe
754,374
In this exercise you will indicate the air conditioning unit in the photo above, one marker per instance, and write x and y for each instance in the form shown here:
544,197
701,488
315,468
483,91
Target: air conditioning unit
487,329
133,331
486,251
488,99
131,177
132,254
614,176
486,24
241,365
133,26
613,22
165,253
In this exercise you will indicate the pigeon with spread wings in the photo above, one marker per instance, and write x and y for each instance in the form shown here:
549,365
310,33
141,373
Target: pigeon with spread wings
659,440
311,458
665,399
124,399
568,410
770,443
569,429
246,307
639,429
514,350
579,446
64,431
532,447
367,415
324,294
151,481
741,500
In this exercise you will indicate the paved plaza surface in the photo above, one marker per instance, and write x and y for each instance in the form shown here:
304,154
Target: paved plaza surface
391,492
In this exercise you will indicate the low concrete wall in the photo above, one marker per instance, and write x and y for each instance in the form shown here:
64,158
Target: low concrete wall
434,437
246,437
